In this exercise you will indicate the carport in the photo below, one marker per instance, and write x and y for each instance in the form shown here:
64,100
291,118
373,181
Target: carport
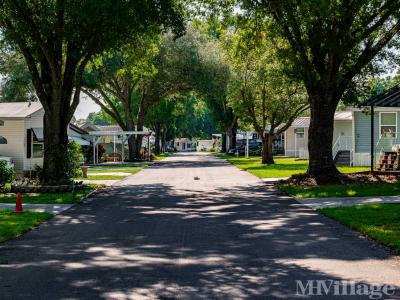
99,136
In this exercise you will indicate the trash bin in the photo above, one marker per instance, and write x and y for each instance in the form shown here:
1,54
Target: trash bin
84,171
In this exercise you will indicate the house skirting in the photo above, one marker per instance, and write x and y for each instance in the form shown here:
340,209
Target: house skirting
300,153
361,159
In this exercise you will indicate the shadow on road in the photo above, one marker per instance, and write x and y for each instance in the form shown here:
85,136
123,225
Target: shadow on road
158,242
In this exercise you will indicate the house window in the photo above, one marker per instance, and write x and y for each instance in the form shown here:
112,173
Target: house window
3,140
37,143
388,124
1,123
37,150
299,132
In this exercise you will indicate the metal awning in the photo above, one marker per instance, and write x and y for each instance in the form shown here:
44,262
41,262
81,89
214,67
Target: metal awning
390,98
38,134
79,140
100,135
118,133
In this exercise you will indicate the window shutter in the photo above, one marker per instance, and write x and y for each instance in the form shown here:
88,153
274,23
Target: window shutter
29,143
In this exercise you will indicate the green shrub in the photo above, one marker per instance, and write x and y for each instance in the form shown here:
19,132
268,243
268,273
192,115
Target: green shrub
7,174
74,160
37,173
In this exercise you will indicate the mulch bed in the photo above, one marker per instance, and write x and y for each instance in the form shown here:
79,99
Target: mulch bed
354,178
30,187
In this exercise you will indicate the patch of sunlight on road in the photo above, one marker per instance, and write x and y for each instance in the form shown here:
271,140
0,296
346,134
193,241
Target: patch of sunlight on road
116,258
352,270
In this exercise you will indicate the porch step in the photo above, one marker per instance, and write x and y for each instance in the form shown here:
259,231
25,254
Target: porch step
389,161
342,158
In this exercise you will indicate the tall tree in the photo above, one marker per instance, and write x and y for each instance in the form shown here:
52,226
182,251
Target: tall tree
115,81
58,38
193,118
161,119
98,118
260,91
216,71
330,43
126,87
16,84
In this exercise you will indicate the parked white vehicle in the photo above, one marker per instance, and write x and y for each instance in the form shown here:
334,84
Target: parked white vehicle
9,161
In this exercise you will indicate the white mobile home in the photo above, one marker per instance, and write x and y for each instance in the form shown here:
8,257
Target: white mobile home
205,145
296,137
21,134
185,144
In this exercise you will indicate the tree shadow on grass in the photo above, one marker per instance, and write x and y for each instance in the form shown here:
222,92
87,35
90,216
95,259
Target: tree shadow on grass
159,242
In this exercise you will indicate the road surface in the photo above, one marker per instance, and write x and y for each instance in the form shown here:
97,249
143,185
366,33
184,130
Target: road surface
190,227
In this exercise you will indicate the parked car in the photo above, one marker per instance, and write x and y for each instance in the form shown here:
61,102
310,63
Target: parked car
254,147
9,161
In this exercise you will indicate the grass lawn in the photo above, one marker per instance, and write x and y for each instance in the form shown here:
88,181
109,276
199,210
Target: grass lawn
378,221
13,225
100,173
350,190
102,177
283,167
163,155
118,166
51,198
126,170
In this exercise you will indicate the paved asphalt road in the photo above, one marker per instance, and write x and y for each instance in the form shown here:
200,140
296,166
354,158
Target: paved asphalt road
161,234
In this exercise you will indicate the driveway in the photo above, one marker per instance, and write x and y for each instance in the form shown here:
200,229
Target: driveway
162,234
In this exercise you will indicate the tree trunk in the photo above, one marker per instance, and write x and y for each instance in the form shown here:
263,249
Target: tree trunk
130,126
157,139
223,143
55,147
267,149
131,148
233,139
164,140
228,141
320,136
140,125
138,146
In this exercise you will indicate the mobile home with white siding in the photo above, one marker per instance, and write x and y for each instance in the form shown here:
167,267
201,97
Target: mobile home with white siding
296,137
21,134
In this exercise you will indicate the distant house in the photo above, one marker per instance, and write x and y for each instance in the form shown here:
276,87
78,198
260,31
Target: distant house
205,145
185,144
21,134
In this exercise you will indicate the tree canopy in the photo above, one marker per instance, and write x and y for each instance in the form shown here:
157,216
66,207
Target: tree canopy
260,92
59,37
330,43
